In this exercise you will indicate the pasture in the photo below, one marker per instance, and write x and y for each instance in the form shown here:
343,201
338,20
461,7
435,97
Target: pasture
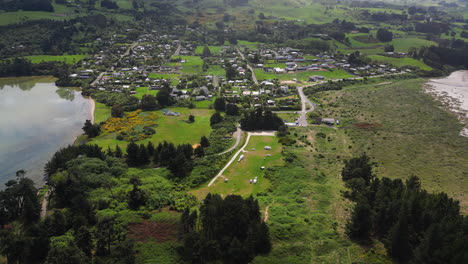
239,173
175,129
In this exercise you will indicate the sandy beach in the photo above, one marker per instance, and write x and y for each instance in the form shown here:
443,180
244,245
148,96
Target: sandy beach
93,106
453,92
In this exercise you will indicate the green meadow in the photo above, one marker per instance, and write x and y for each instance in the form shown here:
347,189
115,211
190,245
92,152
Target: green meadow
400,62
405,131
175,129
302,76
239,173
101,112
69,59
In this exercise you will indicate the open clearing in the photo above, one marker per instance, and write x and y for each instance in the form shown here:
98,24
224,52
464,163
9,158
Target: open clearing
69,59
239,173
173,129
400,62
406,132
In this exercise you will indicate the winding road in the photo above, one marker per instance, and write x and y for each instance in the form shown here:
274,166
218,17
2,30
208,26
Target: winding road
249,134
238,136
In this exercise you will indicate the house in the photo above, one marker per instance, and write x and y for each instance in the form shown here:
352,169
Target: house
200,98
328,121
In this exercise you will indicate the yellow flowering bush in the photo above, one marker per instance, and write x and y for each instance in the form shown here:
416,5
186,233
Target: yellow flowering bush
134,126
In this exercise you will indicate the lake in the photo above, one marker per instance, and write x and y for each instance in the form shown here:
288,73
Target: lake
36,119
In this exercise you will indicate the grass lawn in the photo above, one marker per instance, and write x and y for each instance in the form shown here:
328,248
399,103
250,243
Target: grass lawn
101,112
140,91
69,59
216,70
288,117
406,132
239,173
215,50
192,64
166,76
205,104
301,76
400,62
174,129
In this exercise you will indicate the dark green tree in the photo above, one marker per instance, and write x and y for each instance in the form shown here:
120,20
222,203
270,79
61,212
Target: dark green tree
117,111
215,119
204,142
220,104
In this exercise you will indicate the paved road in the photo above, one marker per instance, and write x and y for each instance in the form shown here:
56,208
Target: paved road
177,51
238,135
98,78
254,77
306,103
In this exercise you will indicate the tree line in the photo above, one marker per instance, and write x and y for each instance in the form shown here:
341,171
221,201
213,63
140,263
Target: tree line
260,120
414,225
228,230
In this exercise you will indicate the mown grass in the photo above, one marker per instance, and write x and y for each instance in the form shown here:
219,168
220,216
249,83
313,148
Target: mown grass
101,112
239,173
141,91
174,129
215,50
192,64
406,132
69,59
205,104
401,62
302,76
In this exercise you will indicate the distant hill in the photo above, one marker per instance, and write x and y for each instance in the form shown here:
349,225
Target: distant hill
27,5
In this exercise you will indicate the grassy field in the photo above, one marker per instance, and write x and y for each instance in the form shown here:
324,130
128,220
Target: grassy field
169,128
288,117
216,70
205,104
192,64
400,62
239,173
101,112
406,132
307,212
69,59
140,91
301,76
215,50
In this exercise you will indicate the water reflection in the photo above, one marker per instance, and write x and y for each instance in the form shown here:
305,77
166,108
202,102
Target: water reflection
36,119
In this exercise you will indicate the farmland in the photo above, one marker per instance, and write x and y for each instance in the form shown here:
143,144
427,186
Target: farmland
174,129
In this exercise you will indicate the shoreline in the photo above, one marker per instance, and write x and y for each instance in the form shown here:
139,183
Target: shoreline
452,92
93,108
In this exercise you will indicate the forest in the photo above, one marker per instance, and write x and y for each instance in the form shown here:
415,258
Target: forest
414,225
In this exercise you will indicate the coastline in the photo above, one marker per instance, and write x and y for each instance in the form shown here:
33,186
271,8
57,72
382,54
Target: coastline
452,92
93,108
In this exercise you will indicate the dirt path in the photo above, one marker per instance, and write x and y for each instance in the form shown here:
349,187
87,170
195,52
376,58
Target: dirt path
267,214
177,51
249,134
44,204
238,136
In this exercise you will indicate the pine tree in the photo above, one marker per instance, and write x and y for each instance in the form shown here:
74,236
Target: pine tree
199,152
133,153
360,224
150,148
109,152
143,157
204,142
118,152
399,245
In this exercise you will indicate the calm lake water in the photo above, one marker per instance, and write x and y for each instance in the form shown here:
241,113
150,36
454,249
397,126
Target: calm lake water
36,119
